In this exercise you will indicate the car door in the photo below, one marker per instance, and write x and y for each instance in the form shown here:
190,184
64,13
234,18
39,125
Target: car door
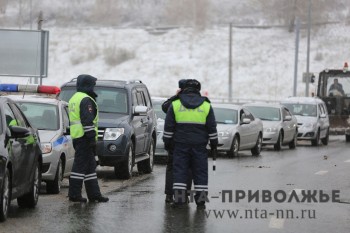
323,121
138,122
288,125
253,129
68,145
151,119
244,131
23,151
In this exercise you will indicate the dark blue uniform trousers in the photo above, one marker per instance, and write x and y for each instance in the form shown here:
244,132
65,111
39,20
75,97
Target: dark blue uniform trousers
194,157
83,170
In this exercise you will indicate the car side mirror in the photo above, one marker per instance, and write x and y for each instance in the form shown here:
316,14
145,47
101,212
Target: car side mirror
288,118
67,131
140,110
19,132
246,121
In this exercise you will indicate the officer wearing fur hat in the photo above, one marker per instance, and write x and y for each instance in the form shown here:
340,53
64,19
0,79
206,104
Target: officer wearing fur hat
189,125
83,118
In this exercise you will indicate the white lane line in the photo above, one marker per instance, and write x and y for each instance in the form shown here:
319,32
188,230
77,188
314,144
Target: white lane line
347,161
321,173
276,223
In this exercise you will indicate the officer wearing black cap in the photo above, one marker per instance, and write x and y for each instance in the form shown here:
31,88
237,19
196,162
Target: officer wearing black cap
189,125
169,167
83,118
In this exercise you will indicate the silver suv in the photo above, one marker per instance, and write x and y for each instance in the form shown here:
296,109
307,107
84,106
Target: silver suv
312,116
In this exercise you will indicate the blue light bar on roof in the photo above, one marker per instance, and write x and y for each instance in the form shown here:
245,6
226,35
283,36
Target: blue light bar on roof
9,87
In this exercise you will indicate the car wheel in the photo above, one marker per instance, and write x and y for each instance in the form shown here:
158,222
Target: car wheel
234,147
325,140
347,138
54,187
5,196
123,169
293,143
257,148
146,166
31,199
278,145
316,141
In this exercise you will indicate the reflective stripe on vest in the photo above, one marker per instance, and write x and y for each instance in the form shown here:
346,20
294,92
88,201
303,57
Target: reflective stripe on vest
191,116
76,128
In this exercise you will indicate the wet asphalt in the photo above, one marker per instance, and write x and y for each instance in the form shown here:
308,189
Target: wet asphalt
138,205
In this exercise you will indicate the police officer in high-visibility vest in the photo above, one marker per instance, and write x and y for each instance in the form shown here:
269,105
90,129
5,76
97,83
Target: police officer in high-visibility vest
189,125
83,117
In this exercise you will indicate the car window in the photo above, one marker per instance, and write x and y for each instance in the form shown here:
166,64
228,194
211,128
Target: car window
302,109
10,116
248,114
157,106
111,100
41,115
65,116
225,115
21,121
67,93
285,112
265,113
140,98
146,98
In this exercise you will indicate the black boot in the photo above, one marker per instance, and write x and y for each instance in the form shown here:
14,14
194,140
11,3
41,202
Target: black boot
99,199
169,199
78,199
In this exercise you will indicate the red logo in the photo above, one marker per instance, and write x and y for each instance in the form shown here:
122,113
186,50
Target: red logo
90,108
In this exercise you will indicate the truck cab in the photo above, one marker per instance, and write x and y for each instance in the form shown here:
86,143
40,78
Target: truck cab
334,89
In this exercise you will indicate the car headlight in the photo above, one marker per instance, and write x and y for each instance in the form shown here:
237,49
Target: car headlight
271,130
46,147
112,134
224,134
309,125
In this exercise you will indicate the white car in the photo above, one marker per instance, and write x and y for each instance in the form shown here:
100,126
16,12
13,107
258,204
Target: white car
157,106
312,116
280,126
237,129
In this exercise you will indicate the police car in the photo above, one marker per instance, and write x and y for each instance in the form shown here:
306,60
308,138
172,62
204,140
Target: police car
50,117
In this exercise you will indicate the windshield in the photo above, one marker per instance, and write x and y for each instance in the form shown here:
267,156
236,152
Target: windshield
302,109
157,106
110,100
40,115
265,113
338,86
225,116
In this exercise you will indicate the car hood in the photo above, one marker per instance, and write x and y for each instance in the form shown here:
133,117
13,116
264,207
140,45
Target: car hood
112,120
48,135
225,127
305,119
270,124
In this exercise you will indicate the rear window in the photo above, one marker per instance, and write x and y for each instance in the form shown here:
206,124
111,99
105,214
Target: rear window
225,116
265,113
109,100
302,109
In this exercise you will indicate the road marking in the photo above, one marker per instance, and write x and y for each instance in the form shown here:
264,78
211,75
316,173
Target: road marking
276,223
321,173
347,161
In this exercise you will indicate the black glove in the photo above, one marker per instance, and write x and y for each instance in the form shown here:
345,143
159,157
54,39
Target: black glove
169,145
213,147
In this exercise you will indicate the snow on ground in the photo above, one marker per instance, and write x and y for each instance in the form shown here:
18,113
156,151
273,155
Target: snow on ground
263,59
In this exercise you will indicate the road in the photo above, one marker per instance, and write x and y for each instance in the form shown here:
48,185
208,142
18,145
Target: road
137,205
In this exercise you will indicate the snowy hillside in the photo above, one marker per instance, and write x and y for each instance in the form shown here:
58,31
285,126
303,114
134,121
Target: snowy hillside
263,59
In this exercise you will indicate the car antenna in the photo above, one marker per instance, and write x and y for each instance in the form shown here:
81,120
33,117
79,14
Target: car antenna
25,89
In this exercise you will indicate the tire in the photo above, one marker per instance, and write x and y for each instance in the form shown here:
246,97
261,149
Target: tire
257,148
146,166
278,145
54,187
31,199
5,196
123,169
325,140
233,152
316,141
347,138
293,143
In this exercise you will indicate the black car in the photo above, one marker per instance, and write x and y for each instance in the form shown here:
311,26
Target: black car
127,127
20,159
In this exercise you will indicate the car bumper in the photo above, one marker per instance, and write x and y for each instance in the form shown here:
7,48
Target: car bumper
50,162
111,152
270,138
224,143
306,134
